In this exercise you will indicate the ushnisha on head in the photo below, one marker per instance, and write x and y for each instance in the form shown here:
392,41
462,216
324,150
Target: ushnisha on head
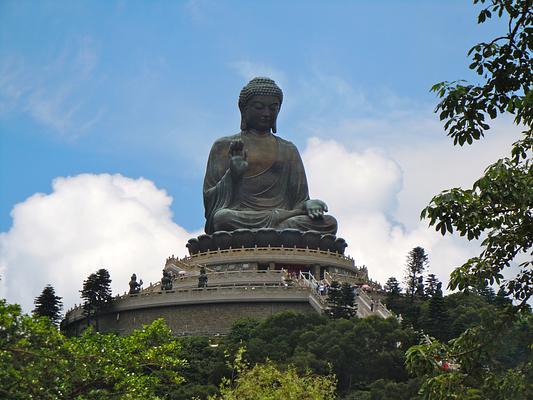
263,87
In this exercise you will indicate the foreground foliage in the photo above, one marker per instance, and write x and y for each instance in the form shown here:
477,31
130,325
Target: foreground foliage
498,209
470,367
499,205
358,351
285,354
39,362
267,381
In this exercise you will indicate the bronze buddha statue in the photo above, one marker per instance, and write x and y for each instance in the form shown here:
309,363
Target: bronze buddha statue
255,179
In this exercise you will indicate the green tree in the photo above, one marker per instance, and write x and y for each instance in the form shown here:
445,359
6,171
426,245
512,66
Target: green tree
274,338
96,294
437,315
498,209
334,300
38,362
417,261
341,301
204,370
487,292
348,300
358,350
431,285
393,296
47,304
501,298
242,330
267,381
383,389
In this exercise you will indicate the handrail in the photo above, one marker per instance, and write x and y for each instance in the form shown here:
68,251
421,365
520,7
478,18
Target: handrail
186,266
217,276
266,249
327,278
379,308
309,279
312,284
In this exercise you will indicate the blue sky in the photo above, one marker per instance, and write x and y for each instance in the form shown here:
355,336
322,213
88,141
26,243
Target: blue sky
142,89
121,77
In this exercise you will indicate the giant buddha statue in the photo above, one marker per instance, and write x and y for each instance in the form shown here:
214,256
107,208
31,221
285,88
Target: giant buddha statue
255,179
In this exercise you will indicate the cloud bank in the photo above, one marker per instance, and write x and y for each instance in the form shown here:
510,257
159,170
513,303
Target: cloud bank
362,189
87,222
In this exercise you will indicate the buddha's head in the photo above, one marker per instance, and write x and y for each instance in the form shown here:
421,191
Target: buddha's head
260,102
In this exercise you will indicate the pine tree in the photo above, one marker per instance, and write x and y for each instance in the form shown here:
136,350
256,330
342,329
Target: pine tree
486,292
341,301
417,261
48,305
96,294
334,300
501,299
437,315
348,301
393,294
420,291
431,285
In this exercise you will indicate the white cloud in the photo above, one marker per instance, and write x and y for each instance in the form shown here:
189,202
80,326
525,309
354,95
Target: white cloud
433,165
377,159
364,190
364,182
87,222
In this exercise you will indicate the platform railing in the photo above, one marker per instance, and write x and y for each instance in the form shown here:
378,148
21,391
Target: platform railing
229,288
269,249
327,278
352,279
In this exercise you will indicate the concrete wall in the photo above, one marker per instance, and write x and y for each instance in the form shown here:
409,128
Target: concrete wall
190,319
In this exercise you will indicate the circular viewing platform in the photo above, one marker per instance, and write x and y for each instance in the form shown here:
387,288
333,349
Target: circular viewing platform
210,310
231,277
270,258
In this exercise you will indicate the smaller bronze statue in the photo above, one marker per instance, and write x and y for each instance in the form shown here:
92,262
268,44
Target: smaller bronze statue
135,287
202,279
166,281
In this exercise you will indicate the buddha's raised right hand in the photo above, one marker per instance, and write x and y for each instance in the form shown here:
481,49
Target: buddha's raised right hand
238,164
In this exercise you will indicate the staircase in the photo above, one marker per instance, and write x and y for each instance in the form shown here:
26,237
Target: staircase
366,306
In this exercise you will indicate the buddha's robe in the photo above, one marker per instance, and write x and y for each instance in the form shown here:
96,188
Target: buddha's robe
271,194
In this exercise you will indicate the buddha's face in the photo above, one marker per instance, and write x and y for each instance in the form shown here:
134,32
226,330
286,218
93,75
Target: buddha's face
261,113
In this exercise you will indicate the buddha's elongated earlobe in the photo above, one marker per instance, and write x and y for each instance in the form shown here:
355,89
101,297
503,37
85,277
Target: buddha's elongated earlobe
243,123
274,128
